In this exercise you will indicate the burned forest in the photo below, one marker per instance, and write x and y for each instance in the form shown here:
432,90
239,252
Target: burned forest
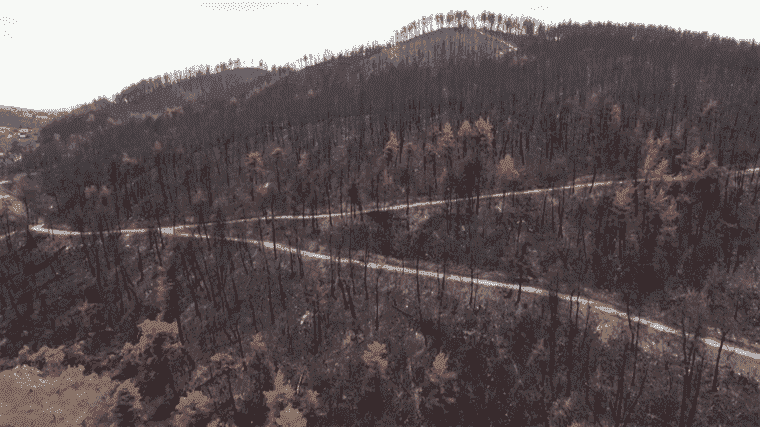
477,225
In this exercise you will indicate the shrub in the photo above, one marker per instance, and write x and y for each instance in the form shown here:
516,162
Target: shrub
235,385
291,417
280,402
120,408
160,366
49,361
439,392
195,409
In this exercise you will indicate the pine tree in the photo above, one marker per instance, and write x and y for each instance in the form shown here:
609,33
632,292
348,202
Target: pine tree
466,134
280,402
390,152
391,149
484,151
254,167
439,391
508,173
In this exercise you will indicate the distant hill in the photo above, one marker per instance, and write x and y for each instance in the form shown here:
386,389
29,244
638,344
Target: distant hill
15,117
147,96
153,96
199,87
242,83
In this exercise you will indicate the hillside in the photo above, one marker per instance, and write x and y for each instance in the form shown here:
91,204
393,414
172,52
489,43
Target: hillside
153,96
219,324
18,118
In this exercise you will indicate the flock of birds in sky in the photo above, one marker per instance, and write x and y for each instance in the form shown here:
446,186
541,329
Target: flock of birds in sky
247,6
6,20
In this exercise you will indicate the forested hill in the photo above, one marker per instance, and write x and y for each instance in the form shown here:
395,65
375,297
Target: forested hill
540,98
204,85
573,100
479,105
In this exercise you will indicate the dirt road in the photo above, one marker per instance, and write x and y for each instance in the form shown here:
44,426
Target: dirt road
658,337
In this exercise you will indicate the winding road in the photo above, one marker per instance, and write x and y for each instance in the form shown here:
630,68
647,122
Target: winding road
654,337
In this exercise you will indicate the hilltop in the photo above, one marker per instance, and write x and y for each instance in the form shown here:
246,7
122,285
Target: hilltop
206,86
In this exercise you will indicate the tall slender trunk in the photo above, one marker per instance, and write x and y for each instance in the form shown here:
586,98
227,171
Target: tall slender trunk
269,275
340,193
419,297
442,290
714,385
593,179
329,203
561,215
573,190
377,301
274,235
366,259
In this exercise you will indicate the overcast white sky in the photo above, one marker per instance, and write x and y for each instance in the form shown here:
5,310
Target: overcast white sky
58,54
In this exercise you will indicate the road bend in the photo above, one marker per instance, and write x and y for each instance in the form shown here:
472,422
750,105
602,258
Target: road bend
741,360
